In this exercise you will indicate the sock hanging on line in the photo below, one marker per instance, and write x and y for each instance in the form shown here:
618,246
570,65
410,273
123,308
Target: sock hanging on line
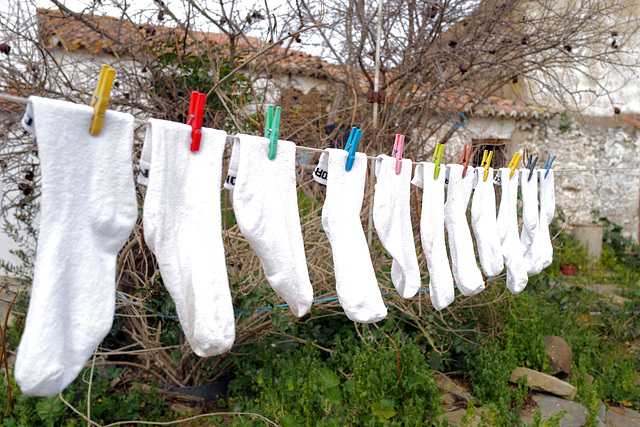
265,203
508,230
182,222
441,287
465,270
547,210
88,209
530,220
485,226
392,220
356,282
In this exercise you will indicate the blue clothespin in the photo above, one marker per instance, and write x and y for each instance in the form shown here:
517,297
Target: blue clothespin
352,146
530,165
547,164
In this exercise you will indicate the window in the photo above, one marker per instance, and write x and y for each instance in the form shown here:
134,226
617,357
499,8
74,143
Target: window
499,148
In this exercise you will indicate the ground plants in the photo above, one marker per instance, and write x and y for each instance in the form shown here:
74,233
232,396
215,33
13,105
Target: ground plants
358,383
136,403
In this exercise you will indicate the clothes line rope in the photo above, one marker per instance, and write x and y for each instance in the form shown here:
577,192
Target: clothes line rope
233,138
268,307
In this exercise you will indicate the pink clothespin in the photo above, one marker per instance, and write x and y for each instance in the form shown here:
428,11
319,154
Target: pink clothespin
194,119
398,145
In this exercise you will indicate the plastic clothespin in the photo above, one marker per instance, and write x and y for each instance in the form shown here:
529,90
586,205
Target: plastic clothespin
466,158
194,118
100,98
486,162
530,165
272,130
547,164
352,147
398,146
514,163
437,159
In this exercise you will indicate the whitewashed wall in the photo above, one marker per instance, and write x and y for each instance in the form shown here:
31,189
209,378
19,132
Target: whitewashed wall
613,193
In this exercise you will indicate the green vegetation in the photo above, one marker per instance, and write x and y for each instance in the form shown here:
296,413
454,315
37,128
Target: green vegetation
325,370
106,406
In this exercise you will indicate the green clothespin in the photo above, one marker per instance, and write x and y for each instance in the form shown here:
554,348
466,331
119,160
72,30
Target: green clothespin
437,159
272,130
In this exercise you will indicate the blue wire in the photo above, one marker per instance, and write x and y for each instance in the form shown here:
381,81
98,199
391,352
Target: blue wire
247,310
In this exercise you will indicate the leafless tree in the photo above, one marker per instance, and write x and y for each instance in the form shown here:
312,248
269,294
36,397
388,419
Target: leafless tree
438,59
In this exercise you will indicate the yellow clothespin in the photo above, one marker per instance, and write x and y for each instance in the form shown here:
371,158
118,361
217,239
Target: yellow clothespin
100,98
437,159
514,163
486,162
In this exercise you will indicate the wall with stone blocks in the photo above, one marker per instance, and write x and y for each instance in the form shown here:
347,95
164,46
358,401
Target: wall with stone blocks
613,193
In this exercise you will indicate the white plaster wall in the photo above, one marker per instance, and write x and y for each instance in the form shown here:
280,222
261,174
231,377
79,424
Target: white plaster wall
593,87
614,193
75,74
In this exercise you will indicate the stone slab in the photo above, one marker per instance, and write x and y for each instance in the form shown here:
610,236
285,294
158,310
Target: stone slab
543,382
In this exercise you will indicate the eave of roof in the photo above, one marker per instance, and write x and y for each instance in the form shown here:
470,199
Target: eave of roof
59,29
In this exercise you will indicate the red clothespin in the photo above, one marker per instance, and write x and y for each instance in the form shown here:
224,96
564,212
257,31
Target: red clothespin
196,113
466,158
398,145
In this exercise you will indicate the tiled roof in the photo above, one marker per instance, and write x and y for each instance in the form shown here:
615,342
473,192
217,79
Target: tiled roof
9,106
475,104
59,29
633,121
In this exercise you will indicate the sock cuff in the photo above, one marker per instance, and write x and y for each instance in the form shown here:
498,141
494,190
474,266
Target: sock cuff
232,172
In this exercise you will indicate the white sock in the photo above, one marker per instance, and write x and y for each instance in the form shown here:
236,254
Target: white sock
485,226
432,234
530,222
392,220
465,270
508,230
356,281
265,203
88,209
183,227
547,210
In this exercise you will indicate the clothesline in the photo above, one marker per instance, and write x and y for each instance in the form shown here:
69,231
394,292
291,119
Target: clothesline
268,307
233,138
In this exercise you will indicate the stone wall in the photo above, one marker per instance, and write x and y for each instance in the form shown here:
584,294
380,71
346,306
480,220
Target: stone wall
613,193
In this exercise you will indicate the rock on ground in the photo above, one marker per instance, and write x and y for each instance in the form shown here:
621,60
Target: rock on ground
543,382
447,385
455,417
559,354
550,405
622,417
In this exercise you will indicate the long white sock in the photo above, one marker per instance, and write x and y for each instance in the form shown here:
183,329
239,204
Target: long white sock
441,287
530,219
465,270
547,210
356,282
508,230
88,209
392,219
265,203
183,227
485,226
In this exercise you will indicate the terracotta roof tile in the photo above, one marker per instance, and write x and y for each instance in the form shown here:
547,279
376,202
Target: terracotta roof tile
633,121
59,29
